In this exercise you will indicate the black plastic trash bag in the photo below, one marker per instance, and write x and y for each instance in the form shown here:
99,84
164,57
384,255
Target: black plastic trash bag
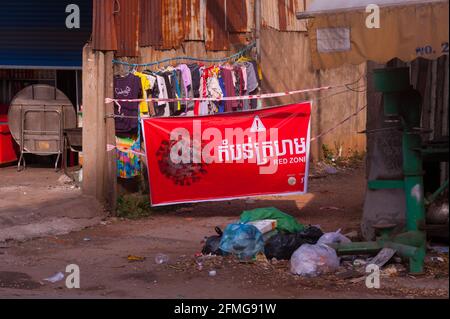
212,243
282,246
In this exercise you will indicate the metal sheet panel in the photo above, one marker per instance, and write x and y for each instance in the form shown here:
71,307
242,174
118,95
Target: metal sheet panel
34,35
292,7
236,15
281,14
104,30
173,17
150,23
127,26
269,14
195,20
216,30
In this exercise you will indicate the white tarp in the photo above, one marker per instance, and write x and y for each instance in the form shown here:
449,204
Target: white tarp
339,31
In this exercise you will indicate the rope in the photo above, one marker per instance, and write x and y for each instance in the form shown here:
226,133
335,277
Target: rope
229,98
339,124
218,60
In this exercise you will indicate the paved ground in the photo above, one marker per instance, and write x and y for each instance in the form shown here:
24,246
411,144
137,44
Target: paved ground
34,203
101,252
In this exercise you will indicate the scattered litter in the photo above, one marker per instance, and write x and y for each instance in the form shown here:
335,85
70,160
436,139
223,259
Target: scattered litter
313,260
439,259
242,240
64,179
439,249
161,259
199,266
285,223
333,238
383,257
330,170
212,273
198,254
359,262
282,246
55,278
212,243
86,239
265,225
261,258
133,258
390,271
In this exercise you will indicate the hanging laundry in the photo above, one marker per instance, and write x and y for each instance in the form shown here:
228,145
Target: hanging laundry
128,165
145,83
195,80
127,87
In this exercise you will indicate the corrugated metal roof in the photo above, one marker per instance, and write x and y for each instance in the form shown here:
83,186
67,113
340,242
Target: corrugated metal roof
216,29
103,28
150,23
127,27
195,20
173,17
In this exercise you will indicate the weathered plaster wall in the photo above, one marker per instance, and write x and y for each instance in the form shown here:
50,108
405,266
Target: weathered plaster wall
286,65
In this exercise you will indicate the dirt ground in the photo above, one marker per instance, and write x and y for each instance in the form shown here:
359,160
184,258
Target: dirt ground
334,201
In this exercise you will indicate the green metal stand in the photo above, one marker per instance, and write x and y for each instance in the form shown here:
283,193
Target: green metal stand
403,102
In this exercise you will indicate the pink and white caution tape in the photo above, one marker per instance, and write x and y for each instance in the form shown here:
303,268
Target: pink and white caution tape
228,98
110,147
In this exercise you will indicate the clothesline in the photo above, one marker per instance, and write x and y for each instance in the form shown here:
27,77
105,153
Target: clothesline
110,147
188,58
228,98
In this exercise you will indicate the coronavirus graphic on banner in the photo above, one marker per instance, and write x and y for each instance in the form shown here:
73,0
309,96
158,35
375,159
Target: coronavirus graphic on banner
227,156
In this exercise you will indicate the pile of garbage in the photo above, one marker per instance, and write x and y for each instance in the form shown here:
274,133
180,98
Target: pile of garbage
279,236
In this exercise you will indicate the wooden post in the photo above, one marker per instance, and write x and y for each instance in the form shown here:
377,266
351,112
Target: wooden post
90,120
110,177
99,167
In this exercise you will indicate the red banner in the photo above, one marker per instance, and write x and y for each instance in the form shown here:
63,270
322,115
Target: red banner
228,156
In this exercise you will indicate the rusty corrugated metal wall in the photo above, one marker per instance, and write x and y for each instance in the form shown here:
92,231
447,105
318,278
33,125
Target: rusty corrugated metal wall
236,16
281,14
103,26
195,20
216,35
150,23
126,18
126,25
173,17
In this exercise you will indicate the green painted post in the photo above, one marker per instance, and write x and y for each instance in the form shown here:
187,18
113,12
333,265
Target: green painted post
413,173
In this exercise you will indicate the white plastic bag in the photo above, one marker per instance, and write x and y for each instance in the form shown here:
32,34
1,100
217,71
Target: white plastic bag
313,260
333,238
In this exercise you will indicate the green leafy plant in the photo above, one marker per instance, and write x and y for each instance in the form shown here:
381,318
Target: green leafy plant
133,206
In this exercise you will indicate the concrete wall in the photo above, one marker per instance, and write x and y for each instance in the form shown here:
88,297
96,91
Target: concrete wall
286,65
